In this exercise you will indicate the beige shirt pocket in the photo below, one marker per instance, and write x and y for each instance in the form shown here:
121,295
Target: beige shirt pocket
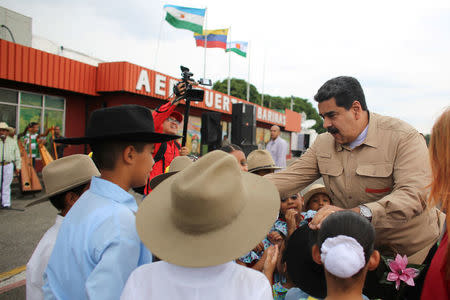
331,171
375,181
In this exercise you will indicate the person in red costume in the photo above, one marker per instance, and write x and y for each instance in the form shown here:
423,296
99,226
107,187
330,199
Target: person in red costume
437,281
167,121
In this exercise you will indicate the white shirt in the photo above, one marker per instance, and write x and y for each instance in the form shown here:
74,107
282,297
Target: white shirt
228,281
39,260
278,148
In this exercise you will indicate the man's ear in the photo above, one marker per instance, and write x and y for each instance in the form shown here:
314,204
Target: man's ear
316,254
374,260
356,109
128,154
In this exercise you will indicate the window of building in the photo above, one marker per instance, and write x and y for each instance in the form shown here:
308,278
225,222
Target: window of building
8,106
19,109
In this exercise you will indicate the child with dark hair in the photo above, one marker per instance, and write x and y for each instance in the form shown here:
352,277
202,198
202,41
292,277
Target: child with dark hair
275,264
289,219
97,247
237,152
345,248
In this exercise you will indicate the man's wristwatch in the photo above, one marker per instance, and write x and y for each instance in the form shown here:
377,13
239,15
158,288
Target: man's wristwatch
365,212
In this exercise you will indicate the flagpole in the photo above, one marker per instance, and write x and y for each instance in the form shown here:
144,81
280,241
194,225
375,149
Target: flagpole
206,41
264,75
229,63
248,73
157,44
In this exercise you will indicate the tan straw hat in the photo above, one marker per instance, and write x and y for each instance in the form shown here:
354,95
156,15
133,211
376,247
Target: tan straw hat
178,163
3,125
314,189
208,214
261,160
65,174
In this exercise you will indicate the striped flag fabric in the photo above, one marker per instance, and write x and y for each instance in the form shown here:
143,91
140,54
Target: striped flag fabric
185,17
214,38
238,47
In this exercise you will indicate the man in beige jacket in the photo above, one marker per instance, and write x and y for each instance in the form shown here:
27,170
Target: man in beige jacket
375,165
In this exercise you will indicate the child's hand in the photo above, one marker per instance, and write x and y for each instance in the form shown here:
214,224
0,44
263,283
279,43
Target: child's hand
259,247
275,237
292,217
271,261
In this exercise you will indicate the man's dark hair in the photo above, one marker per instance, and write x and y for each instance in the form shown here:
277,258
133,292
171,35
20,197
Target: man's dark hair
230,148
350,224
58,200
344,89
105,154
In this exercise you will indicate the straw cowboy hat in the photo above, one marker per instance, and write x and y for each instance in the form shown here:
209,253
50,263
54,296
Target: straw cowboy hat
260,160
3,125
207,214
125,122
178,163
66,173
314,189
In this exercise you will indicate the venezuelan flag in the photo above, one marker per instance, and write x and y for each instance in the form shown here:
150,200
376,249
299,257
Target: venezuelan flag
214,38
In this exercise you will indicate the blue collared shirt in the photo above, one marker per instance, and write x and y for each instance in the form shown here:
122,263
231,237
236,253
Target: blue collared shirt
97,246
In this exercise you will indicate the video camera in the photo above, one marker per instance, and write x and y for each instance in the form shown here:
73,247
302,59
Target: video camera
191,94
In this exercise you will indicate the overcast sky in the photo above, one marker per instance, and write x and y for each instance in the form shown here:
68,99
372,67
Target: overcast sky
398,50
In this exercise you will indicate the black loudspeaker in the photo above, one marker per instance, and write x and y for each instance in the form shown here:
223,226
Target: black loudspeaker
211,130
243,124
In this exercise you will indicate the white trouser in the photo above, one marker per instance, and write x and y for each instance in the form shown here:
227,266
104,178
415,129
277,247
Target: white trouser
8,171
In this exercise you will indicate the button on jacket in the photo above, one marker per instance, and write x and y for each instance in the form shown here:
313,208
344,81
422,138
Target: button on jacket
388,173
97,246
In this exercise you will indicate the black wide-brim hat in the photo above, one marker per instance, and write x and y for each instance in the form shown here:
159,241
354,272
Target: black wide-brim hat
302,269
132,123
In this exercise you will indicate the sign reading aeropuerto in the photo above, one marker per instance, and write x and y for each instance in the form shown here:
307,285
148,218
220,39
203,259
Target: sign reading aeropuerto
124,76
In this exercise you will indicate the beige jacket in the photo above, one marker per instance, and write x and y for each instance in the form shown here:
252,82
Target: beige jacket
388,173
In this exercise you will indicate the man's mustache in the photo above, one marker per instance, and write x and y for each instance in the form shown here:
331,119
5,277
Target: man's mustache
332,130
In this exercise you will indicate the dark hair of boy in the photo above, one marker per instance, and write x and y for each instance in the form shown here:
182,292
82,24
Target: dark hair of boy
302,270
230,148
350,224
105,154
59,200
344,89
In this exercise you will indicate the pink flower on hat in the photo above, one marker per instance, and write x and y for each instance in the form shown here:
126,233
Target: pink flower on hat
400,272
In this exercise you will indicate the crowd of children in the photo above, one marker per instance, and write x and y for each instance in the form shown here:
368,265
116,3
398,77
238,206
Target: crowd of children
210,229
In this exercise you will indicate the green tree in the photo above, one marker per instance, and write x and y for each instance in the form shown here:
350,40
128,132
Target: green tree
238,88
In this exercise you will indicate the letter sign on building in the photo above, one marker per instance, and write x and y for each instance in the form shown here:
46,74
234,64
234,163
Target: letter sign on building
143,81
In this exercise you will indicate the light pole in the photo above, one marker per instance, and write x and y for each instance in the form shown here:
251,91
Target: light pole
10,33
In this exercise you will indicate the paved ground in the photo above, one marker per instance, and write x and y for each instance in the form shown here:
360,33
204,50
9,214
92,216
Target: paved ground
21,231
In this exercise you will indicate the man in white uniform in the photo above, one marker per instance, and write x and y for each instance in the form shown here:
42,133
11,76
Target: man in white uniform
9,154
65,181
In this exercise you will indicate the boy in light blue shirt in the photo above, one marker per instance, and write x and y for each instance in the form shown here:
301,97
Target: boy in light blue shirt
97,246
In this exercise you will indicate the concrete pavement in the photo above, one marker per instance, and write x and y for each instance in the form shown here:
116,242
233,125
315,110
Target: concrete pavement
21,231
